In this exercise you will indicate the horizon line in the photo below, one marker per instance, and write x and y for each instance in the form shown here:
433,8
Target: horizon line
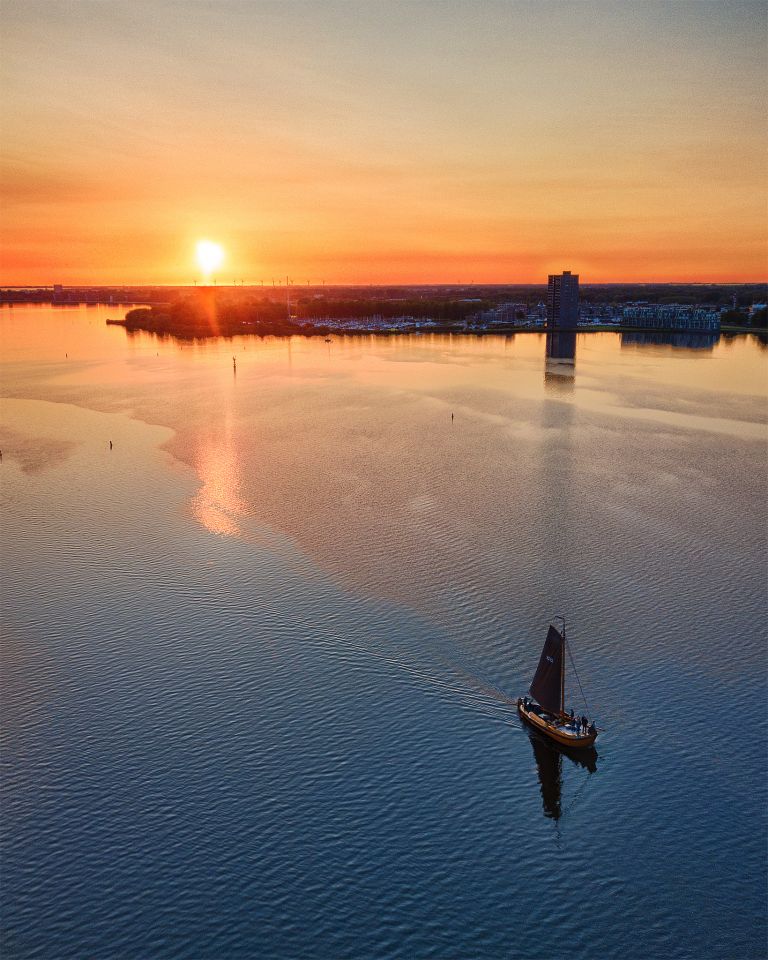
258,284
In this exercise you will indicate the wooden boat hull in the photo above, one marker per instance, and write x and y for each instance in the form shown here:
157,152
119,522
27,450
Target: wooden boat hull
558,734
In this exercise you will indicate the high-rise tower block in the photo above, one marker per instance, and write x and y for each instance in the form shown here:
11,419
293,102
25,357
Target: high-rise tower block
563,300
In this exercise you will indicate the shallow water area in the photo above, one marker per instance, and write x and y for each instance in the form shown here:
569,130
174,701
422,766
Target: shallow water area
260,657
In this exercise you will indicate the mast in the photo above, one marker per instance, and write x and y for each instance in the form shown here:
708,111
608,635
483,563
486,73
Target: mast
562,673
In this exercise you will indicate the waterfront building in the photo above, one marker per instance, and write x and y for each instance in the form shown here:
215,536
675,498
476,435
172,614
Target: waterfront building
563,300
508,312
672,316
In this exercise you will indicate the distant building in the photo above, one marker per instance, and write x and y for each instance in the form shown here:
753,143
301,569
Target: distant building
563,300
508,312
671,316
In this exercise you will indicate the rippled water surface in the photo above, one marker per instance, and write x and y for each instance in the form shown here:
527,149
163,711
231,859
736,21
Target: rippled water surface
260,658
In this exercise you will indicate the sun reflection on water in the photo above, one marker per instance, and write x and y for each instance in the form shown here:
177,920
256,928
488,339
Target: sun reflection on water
218,504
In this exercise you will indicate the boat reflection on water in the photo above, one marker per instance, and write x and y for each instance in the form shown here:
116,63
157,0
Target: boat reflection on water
549,766
560,363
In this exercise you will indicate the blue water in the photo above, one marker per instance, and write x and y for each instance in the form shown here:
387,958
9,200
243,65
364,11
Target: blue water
258,660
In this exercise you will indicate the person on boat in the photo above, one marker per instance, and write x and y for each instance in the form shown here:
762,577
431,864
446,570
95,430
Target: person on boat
592,730
584,723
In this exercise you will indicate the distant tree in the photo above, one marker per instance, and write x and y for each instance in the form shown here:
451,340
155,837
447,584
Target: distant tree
139,315
735,318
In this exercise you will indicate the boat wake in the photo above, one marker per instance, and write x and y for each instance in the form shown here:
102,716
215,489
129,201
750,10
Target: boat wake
437,677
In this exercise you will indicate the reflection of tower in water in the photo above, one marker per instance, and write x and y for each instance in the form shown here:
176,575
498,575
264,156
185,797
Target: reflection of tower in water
560,362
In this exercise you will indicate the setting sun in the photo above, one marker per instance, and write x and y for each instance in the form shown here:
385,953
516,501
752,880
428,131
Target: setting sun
210,257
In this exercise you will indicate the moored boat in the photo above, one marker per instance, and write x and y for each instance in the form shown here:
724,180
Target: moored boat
546,711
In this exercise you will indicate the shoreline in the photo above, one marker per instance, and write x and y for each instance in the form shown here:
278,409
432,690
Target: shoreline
284,329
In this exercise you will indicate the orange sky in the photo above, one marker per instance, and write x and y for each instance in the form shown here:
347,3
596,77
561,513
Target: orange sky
401,142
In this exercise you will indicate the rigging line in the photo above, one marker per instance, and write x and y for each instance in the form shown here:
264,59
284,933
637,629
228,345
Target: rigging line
576,673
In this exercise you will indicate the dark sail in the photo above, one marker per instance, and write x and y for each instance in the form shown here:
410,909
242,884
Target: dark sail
547,681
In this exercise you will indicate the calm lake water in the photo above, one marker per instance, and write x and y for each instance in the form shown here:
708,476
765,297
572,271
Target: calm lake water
259,658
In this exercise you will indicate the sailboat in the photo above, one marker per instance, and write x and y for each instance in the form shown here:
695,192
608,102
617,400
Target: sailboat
546,712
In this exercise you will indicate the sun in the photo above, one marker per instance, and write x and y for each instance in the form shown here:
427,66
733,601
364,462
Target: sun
210,256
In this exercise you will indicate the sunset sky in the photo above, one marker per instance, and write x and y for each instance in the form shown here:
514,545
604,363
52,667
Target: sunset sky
383,141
